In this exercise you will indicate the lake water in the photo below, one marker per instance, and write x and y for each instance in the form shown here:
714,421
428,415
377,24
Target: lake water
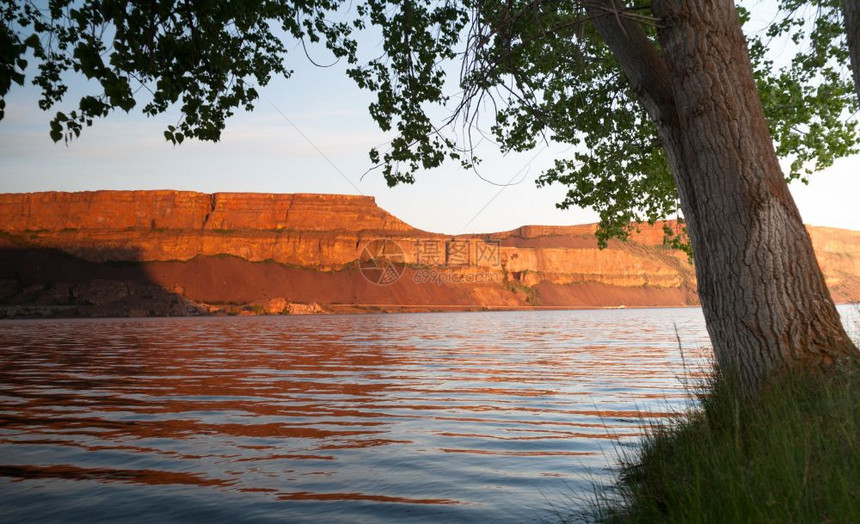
446,417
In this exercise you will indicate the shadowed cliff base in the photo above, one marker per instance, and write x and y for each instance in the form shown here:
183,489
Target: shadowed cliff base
50,283
158,253
44,282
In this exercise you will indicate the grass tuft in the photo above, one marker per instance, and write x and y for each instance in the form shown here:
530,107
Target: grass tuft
788,454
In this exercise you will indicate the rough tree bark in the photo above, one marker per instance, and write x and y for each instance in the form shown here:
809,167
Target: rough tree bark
765,302
851,14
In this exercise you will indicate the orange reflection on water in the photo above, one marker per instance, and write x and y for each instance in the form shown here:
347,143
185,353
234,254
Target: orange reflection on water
306,495
135,476
467,411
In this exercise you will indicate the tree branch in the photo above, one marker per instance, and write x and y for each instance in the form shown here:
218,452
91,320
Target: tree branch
642,64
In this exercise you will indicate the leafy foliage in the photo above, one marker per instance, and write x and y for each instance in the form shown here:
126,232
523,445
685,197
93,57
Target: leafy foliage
806,100
417,36
200,55
536,69
556,78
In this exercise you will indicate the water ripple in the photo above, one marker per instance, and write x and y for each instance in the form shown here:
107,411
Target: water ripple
460,417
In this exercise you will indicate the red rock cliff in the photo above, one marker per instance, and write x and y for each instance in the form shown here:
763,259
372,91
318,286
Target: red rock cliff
300,229
185,210
304,248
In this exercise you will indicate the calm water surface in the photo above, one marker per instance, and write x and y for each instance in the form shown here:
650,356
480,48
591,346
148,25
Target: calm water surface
447,417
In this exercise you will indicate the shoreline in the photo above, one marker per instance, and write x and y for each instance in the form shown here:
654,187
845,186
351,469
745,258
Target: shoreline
56,312
23,312
43,312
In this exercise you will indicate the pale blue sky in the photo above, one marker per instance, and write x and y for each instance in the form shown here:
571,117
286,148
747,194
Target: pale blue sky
263,152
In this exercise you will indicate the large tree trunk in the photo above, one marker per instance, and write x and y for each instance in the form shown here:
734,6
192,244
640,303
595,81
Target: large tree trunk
851,14
765,302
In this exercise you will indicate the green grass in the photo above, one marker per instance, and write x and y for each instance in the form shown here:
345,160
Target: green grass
790,454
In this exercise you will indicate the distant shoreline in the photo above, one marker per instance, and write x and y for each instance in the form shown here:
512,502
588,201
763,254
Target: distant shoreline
71,312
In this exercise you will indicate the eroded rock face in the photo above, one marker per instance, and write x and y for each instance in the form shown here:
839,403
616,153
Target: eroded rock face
117,211
277,252
300,229
838,252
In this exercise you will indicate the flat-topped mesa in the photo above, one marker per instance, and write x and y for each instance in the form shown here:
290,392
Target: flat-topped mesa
533,231
301,212
187,210
643,233
580,235
243,248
